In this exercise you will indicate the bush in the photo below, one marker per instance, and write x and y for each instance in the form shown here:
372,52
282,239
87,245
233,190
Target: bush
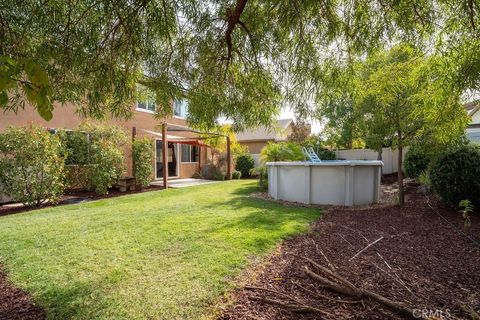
326,154
99,150
77,176
454,176
218,175
416,162
262,178
262,174
253,173
281,151
236,174
107,166
212,172
143,157
244,163
31,165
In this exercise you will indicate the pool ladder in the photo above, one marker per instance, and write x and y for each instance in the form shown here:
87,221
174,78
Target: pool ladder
311,155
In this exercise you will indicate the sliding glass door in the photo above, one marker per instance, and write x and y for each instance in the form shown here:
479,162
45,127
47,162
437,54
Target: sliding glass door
172,159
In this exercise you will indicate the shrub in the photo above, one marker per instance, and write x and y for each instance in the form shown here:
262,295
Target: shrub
236,174
99,150
244,163
107,166
262,178
416,162
218,175
77,176
262,174
281,151
454,176
425,183
326,154
143,158
212,172
31,165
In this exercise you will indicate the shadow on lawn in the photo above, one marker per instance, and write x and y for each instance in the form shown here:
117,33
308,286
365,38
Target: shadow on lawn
80,299
269,220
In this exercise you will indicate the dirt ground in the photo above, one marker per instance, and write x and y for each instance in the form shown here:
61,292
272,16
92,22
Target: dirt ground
423,261
15,304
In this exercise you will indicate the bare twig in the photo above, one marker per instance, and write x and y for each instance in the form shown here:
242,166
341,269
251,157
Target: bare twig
359,293
396,280
292,307
368,246
328,261
351,245
296,306
357,232
321,296
384,260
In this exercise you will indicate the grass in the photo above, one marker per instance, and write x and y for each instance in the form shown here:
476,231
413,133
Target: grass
157,255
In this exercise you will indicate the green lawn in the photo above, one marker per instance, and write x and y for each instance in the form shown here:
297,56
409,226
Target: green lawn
157,255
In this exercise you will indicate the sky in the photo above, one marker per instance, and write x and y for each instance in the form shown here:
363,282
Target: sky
287,113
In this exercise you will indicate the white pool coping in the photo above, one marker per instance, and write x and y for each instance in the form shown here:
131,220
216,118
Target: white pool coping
328,163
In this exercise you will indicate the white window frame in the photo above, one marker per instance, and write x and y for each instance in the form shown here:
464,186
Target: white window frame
183,102
189,153
146,110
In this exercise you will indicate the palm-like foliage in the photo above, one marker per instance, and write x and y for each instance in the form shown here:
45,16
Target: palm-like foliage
281,151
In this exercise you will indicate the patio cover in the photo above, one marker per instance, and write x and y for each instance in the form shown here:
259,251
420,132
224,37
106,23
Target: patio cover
177,139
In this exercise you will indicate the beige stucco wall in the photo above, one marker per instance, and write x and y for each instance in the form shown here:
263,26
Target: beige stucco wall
254,147
64,117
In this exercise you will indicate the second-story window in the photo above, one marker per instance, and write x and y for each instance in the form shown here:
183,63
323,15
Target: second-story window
180,108
146,99
146,104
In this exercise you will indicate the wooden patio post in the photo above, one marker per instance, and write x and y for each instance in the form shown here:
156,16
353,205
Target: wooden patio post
164,155
200,158
134,133
229,160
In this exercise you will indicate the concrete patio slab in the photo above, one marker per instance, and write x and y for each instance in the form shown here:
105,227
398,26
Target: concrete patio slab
183,183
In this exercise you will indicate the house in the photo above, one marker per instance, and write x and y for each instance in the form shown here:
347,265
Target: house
186,152
473,129
254,140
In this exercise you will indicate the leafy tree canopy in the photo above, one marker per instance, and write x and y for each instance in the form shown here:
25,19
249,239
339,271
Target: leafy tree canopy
400,97
237,59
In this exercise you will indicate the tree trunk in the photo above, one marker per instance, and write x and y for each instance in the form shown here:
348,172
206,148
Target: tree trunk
380,157
401,191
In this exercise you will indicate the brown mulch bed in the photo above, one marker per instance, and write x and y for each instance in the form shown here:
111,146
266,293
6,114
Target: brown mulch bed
73,196
15,304
422,261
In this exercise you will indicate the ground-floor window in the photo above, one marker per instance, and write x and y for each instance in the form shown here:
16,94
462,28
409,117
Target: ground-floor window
190,153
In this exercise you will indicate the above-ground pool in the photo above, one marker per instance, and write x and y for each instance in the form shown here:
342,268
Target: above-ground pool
337,182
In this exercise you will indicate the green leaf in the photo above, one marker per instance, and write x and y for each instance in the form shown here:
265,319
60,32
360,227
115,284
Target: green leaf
3,99
45,111
5,82
31,93
8,60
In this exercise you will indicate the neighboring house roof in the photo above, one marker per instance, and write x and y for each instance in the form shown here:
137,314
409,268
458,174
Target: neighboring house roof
472,107
277,133
472,111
